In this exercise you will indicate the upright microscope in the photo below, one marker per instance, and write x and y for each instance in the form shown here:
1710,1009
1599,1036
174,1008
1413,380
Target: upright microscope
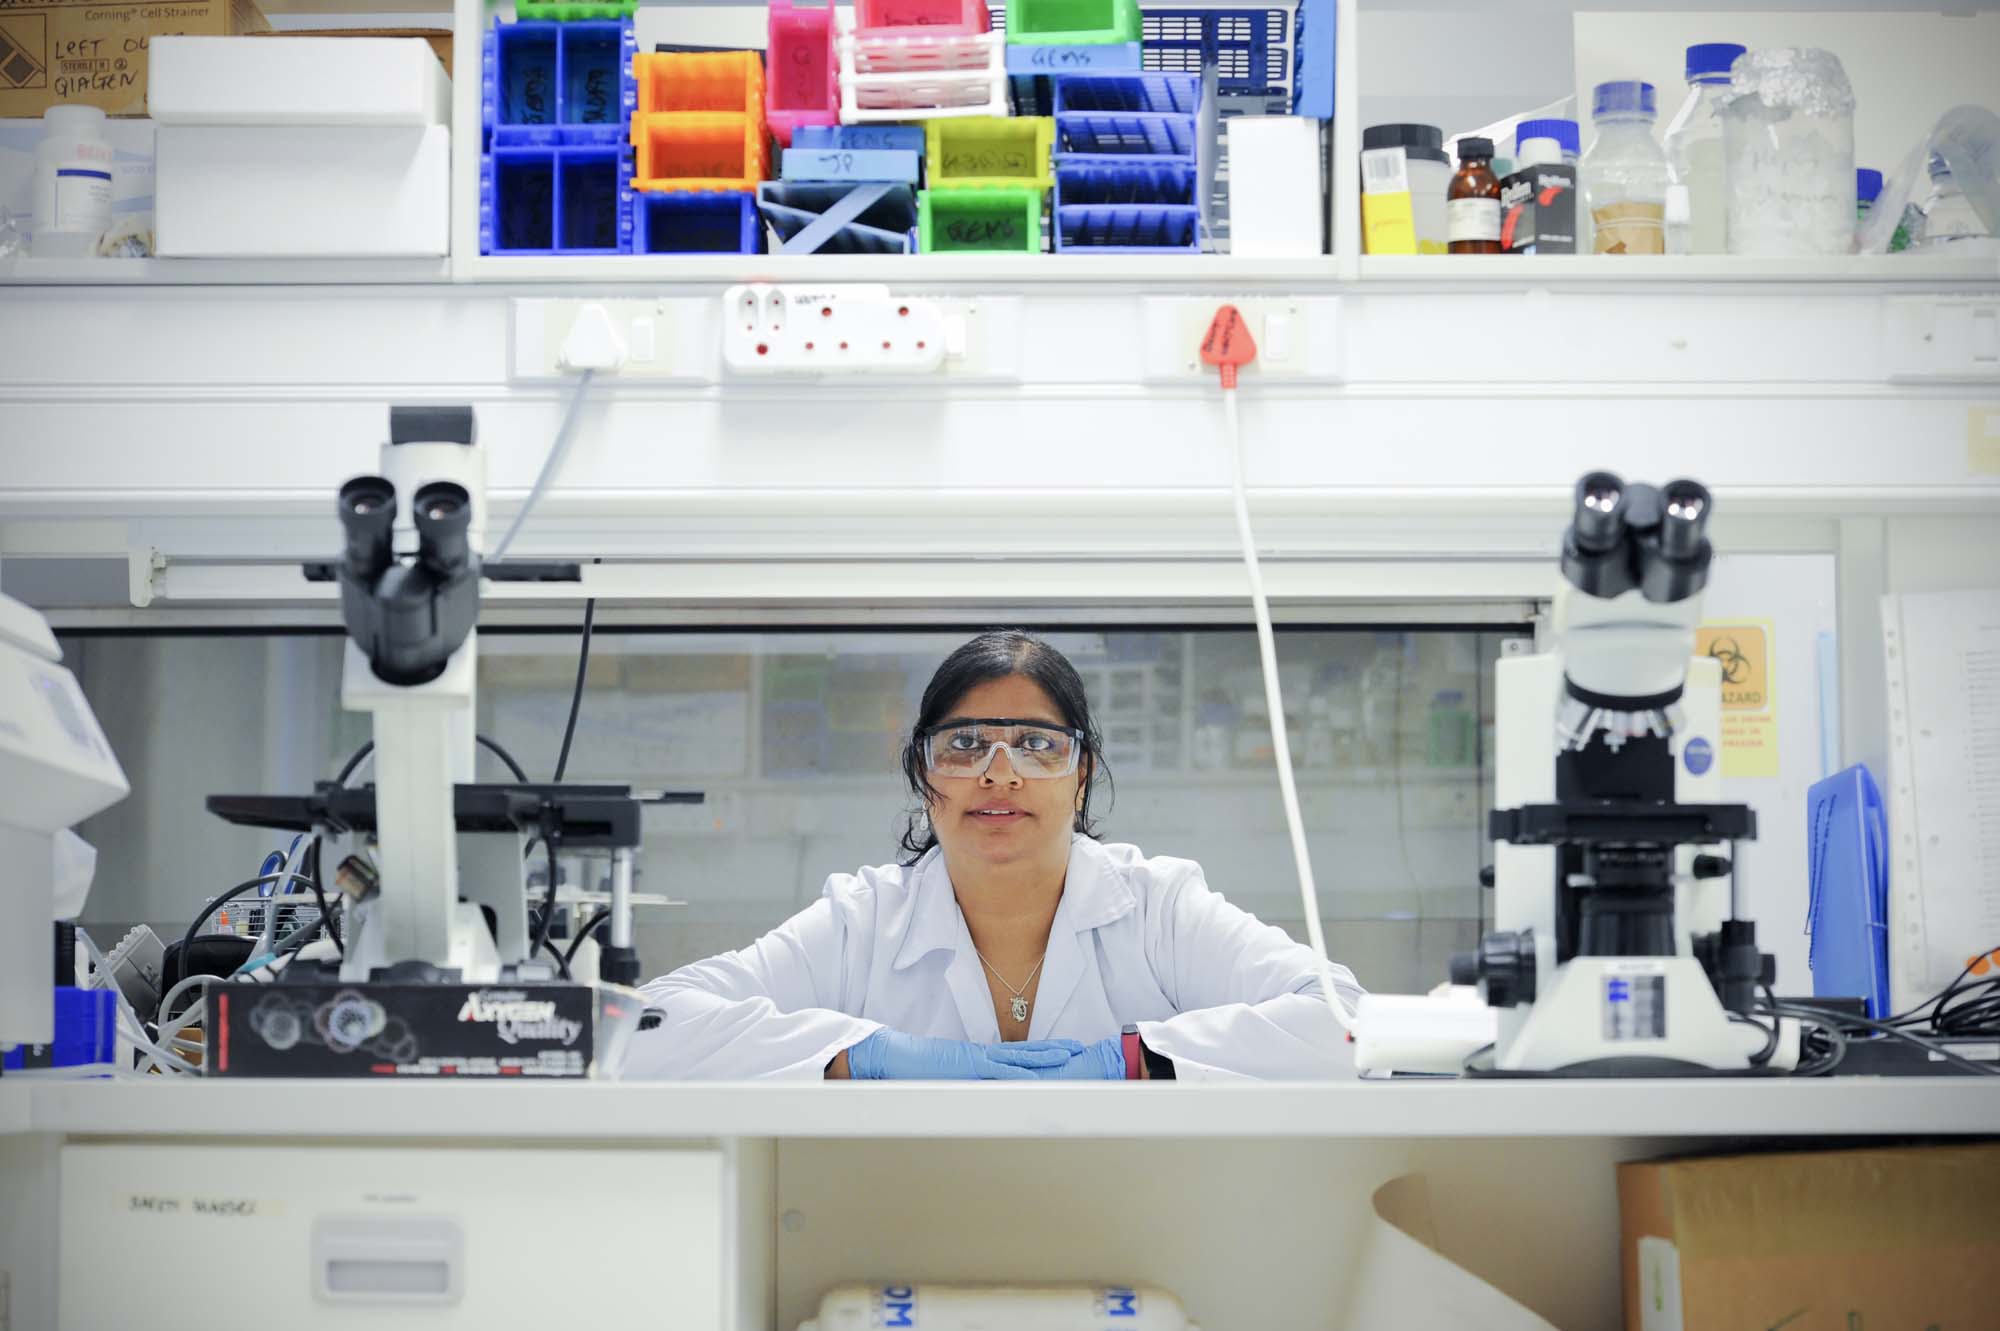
440,972
1618,951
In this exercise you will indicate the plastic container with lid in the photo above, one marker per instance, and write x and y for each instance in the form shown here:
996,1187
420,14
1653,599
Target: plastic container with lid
72,183
1949,217
1430,177
1788,144
1568,138
1625,172
1698,190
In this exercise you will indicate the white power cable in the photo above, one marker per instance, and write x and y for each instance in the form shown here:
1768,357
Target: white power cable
1267,651
558,451
100,974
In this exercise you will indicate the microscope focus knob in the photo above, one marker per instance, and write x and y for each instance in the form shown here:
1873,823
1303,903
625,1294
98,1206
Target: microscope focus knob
1506,968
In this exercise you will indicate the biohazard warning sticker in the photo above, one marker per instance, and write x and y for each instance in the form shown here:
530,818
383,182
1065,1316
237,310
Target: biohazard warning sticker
1749,695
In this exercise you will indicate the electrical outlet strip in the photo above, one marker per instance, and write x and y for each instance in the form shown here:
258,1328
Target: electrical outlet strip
822,330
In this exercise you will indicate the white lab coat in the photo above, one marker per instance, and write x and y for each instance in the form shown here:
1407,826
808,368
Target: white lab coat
1135,940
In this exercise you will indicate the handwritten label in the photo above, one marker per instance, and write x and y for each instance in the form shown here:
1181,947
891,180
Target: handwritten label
988,162
598,97
978,233
1062,57
225,1208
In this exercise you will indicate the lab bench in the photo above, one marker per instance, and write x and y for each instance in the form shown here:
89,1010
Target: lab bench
1235,1196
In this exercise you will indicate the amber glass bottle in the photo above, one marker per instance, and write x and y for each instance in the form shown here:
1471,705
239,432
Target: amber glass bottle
1472,204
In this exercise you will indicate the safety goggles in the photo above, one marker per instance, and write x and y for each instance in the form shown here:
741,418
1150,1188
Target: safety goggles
965,747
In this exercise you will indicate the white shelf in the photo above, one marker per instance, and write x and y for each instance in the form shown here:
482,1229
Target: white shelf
1672,270
221,272
684,1111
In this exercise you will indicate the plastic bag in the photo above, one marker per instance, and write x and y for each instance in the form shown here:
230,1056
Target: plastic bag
1968,138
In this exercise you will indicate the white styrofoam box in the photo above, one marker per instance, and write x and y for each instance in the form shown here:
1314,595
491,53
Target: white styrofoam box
296,81
249,192
1274,196
435,1235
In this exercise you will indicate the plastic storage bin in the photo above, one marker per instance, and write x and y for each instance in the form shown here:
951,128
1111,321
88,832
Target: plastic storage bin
565,200
571,11
1031,70
695,223
1073,22
1313,43
1127,230
673,81
1250,48
962,220
1126,180
879,221
802,74
990,151
863,138
850,165
699,151
549,83
935,17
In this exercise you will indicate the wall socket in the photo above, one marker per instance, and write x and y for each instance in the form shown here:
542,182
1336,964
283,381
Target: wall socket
1295,338
646,327
830,330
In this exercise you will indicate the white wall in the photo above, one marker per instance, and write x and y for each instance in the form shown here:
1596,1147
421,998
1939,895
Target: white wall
1907,68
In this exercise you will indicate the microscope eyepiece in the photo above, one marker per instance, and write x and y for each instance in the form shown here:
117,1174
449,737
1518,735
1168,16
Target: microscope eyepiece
1684,520
443,513
1599,522
367,510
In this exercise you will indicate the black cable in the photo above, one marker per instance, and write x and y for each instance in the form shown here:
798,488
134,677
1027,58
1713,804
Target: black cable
194,926
548,902
325,913
486,742
1884,1028
576,694
562,963
1770,1034
1945,992
347,768
597,921
492,746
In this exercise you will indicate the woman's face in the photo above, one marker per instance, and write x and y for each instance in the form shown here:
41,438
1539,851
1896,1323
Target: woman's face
1000,816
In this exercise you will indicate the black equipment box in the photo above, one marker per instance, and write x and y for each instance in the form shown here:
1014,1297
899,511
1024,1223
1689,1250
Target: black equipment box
321,1028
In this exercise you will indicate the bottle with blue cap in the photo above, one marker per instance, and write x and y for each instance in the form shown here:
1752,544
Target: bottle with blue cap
1625,172
1698,188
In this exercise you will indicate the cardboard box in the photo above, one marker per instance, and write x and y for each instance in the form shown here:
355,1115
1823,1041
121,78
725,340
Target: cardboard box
1813,1240
226,191
83,52
1538,211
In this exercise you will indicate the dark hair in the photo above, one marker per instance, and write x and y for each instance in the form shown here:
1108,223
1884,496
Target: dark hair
999,654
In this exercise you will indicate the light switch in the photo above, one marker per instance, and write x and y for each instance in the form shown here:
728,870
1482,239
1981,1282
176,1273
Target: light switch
1277,337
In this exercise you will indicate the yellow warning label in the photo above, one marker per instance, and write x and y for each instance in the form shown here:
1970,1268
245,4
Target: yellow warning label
1749,695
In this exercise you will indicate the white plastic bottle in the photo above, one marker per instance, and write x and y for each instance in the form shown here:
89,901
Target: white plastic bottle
72,183
1625,172
1698,189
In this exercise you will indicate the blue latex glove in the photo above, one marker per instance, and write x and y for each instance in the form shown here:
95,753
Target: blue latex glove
1103,1061
893,1056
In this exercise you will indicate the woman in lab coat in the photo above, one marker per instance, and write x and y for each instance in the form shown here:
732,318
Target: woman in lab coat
1011,944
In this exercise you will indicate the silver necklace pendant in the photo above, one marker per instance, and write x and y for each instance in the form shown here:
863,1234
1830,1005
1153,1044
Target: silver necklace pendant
1019,1007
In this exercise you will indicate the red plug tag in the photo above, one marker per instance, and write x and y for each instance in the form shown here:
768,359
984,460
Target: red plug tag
1228,344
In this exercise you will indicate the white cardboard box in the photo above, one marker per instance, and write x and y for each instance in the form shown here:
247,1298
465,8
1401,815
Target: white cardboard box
1274,197
236,192
297,81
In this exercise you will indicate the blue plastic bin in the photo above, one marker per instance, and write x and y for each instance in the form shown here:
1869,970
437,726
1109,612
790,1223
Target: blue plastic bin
1179,94
1125,181
86,1034
695,222
1140,229
1031,71
1248,47
562,200
1104,133
1312,60
547,83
